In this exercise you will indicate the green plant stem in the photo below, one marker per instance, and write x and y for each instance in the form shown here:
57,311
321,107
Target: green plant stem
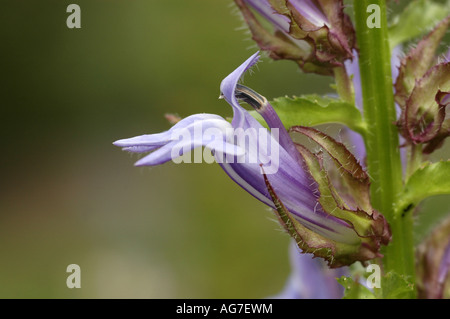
415,159
382,144
344,86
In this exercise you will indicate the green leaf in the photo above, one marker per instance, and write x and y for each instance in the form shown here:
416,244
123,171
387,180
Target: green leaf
395,286
417,18
311,110
429,180
354,290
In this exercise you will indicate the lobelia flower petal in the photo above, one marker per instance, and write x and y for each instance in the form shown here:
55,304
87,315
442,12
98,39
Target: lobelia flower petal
160,139
324,234
184,136
310,278
443,98
295,185
352,67
241,118
310,12
265,9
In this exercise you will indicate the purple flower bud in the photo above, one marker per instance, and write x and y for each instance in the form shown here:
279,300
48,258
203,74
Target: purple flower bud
422,92
314,33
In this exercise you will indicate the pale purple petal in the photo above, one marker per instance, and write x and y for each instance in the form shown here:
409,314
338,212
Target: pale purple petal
228,89
311,279
356,145
195,131
445,100
158,157
293,185
280,22
160,139
274,122
175,149
264,8
242,119
310,11
140,148
148,140
352,67
444,268
396,59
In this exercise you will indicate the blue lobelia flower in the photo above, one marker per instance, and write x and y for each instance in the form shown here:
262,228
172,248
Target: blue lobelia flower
283,175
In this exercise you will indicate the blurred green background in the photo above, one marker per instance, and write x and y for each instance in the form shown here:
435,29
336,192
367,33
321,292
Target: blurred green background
69,196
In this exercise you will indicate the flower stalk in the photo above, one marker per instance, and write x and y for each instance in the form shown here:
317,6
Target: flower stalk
344,85
382,143
415,159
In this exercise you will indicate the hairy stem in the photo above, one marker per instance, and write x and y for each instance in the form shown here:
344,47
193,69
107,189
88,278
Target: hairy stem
344,86
382,143
414,160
